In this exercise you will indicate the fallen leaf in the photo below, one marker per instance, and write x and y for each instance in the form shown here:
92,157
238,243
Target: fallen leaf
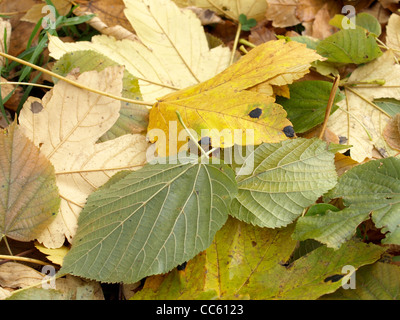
172,53
357,121
392,33
369,189
282,13
230,100
253,9
151,220
287,178
391,133
67,131
28,192
110,13
38,11
374,282
249,262
18,276
54,255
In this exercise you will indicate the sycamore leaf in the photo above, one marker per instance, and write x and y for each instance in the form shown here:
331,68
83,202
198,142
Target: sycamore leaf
287,178
151,220
307,103
358,121
133,118
378,281
66,124
372,188
230,101
29,197
248,262
253,9
173,52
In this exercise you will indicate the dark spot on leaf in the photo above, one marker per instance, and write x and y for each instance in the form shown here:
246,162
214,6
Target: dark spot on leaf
182,266
342,140
388,198
36,107
288,131
334,278
347,153
253,243
255,113
208,14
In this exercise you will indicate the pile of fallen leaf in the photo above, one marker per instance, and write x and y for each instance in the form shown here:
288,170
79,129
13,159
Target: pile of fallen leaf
202,150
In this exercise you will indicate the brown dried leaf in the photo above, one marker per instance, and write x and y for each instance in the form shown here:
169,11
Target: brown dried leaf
391,133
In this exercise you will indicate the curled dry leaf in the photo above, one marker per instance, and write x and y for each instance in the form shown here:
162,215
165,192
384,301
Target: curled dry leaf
391,133
66,124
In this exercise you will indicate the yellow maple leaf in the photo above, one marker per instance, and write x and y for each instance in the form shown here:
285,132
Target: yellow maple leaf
226,108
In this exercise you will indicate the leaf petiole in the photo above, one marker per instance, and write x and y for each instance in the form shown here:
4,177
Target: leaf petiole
204,153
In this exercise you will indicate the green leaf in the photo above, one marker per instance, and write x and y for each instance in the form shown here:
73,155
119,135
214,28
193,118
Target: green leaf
133,118
150,221
307,104
349,46
247,262
247,24
29,198
389,105
363,20
371,188
320,209
287,178
379,281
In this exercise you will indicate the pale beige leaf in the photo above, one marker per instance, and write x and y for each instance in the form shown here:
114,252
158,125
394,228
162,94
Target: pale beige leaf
393,33
17,275
356,117
230,8
66,124
172,53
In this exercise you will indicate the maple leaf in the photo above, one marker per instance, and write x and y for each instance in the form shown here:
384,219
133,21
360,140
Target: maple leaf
172,53
241,97
66,124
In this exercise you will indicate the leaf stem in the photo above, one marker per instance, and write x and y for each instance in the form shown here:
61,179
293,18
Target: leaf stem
235,43
74,83
329,106
27,84
247,43
368,101
23,259
190,134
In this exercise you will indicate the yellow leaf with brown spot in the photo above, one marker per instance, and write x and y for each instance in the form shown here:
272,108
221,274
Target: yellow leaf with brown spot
226,108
